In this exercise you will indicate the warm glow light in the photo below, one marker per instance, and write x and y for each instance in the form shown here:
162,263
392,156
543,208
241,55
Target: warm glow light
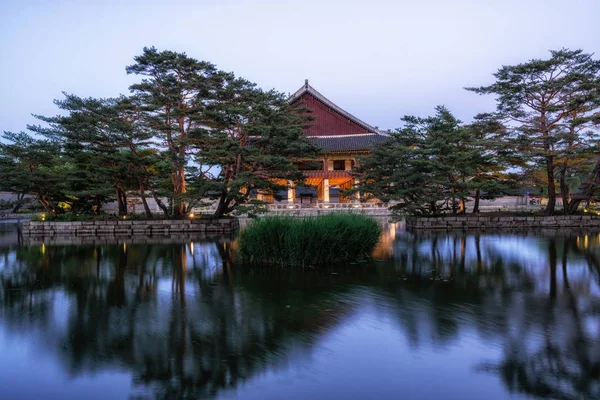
124,216
356,206
191,215
192,248
585,242
393,227
43,249
290,206
124,247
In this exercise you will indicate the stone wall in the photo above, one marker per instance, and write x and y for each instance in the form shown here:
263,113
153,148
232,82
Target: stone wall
12,216
129,228
483,222
173,238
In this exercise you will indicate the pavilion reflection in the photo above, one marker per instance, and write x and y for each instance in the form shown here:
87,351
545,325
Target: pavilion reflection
188,321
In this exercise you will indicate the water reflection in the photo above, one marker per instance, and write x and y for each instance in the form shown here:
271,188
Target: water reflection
505,313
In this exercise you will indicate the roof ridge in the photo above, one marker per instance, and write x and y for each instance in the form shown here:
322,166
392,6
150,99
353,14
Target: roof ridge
306,88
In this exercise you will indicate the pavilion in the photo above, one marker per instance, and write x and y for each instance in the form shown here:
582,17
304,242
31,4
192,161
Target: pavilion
343,138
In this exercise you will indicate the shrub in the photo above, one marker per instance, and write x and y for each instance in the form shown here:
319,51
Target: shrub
324,240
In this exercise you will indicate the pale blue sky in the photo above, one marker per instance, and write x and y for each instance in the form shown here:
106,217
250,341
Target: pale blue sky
378,59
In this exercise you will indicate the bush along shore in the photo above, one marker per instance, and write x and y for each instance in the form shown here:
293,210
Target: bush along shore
312,241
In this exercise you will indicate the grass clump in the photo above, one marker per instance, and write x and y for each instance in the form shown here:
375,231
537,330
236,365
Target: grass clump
323,240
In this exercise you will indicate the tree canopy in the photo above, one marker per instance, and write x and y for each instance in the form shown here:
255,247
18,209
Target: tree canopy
188,132
551,106
433,165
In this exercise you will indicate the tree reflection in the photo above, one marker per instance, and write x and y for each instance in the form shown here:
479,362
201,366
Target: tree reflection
188,322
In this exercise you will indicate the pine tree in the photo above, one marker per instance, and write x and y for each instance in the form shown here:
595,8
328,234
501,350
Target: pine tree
431,166
33,166
108,147
549,104
175,92
492,158
256,138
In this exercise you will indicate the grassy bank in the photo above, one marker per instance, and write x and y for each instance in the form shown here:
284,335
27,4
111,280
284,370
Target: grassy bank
323,240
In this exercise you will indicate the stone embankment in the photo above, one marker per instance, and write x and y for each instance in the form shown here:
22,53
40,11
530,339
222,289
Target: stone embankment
483,222
129,228
17,216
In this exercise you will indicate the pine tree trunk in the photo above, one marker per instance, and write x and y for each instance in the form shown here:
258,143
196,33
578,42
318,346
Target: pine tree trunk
147,210
47,206
144,200
19,203
476,202
222,206
98,206
179,188
586,190
160,204
462,208
564,189
121,201
453,202
551,186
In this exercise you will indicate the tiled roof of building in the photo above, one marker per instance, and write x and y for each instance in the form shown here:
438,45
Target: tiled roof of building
343,143
309,89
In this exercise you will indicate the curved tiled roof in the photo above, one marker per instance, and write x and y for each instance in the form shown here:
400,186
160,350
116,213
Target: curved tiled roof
309,89
341,143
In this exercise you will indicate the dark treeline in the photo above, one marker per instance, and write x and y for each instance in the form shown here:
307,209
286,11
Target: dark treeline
187,132
543,135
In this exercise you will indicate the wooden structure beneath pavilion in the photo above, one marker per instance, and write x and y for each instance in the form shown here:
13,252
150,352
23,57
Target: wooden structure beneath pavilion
343,137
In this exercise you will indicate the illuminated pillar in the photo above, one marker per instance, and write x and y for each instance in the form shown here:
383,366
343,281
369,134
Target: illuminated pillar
348,165
290,196
326,190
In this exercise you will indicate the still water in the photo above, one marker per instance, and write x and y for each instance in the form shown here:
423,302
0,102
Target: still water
437,316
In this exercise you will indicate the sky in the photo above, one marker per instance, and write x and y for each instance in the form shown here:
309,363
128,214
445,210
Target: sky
379,60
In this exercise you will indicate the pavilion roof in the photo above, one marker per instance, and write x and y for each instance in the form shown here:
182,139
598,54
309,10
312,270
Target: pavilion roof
349,143
306,88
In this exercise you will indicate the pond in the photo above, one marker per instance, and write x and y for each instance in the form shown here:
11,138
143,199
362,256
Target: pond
435,316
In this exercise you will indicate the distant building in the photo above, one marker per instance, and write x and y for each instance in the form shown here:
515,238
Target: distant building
343,137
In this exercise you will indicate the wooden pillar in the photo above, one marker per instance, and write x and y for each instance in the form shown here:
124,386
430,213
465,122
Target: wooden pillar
348,165
320,192
326,180
326,190
291,195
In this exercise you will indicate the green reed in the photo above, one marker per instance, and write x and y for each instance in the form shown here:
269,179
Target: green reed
311,241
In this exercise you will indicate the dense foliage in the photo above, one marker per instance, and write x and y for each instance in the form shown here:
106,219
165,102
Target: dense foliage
189,133
325,240
434,165
551,106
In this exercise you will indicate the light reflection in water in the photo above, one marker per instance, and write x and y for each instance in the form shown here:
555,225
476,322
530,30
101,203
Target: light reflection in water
511,313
